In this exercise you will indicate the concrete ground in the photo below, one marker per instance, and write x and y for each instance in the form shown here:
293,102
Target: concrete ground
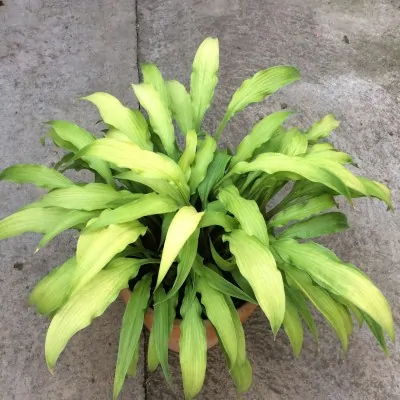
54,51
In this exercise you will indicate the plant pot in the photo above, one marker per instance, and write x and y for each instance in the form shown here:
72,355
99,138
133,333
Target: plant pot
212,339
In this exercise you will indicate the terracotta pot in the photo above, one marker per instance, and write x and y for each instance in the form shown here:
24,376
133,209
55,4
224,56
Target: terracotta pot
244,313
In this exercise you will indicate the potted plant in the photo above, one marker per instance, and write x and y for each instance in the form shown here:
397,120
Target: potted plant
191,231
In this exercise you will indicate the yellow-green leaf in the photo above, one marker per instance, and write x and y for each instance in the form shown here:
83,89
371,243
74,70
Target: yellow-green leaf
293,327
219,261
180,106
204,78
212,218
322,128
189,153
152,75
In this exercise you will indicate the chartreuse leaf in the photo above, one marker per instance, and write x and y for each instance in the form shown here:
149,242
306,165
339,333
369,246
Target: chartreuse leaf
132,324
291,143
211,218
204,78
79,138
148,164
245,211
183,224
215,172
189,153
293,327
192,345
322,128
71,219
275,162
96,248
38,220
259,135
256,88
320,147
161,330
331,155
340,279
180,105
258,267
316,226
117,135
152,358
241,372
219,314
376,189
152,75
321,301
160,118
186,259
203,159
130,123
148,204
86,304
302,209
39,175
93,196
377,332
51,291
219,261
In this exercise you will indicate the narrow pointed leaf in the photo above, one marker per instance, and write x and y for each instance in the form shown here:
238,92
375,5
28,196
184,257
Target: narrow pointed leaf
331,155
88,303
189,153
160,118
258,267
204,78
317,226
212,218
133,365
96,248
152,358
203,159
219,261
181,228
377,332
293,327
192,345
256,88
322,128
152,75
39,175
242,282
378,190
132,324
180,105
246,212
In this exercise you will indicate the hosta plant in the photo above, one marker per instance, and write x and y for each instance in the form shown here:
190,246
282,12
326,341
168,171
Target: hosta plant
191,230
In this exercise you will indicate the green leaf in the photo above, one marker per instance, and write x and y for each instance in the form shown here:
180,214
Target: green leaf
257,265
219,314
148,204
320,147
302,209
129,122
316,226
97,247
204,78
322,128
219,261
189,153
131,329
86,304
161,330
219,283
167,218
183,224
51,292
133,365
242,282
117,135
38,220
39,175
192,345
186,259
181,106
212,218
378,190
260,134
291,142
331,155
338,278
215,172
377,332
321,300
275,162
160,118
148,164
71,219
256,88
79,138
246,212
202,160
152,75
293,327
152,358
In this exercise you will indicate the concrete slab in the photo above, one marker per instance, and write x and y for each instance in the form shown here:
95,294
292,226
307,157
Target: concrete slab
349,56
51,53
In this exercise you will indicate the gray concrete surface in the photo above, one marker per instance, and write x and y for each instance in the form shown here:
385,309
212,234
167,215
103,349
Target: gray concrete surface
52,52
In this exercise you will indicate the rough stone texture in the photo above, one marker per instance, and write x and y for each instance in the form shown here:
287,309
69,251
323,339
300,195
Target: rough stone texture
349,55
51,53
